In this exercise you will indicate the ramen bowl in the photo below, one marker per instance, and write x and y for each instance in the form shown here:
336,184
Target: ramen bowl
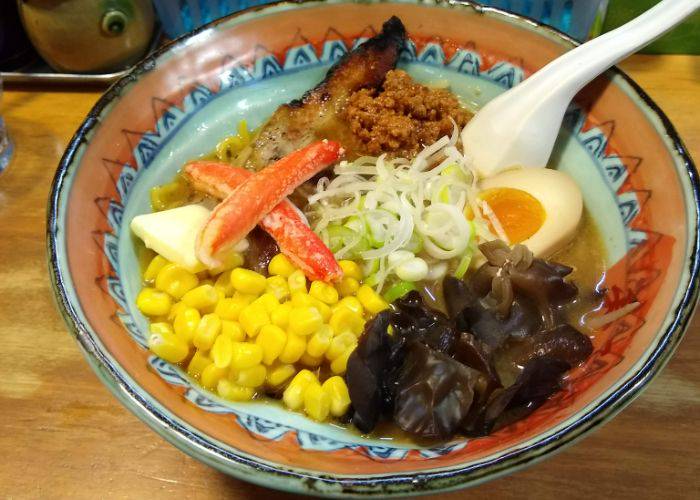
638,184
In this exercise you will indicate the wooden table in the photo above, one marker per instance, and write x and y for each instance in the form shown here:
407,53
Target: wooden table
62,434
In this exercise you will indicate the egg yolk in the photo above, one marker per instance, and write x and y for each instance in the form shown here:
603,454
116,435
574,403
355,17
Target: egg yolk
520,214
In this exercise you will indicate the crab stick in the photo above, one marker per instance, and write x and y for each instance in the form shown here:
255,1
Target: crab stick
283,222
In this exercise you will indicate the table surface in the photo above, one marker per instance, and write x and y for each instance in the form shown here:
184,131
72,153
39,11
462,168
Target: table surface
62,434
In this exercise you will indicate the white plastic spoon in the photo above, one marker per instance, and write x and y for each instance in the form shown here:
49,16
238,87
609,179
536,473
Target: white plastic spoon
519,127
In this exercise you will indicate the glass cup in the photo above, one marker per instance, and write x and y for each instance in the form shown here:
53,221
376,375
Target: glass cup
5,143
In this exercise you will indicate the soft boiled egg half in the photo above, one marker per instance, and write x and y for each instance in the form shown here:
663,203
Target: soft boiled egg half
538,207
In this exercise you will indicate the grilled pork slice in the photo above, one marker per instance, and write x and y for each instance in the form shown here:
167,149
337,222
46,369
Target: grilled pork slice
317,115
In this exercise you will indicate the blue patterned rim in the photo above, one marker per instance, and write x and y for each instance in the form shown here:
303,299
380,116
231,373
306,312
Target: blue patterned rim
298,480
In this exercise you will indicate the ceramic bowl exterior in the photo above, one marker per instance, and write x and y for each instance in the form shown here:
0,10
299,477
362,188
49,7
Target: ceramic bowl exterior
637,180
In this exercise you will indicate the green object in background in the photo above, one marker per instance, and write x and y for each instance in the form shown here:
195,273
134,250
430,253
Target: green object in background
684,39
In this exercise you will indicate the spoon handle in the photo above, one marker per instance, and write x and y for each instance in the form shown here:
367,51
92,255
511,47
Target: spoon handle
520,126
571,72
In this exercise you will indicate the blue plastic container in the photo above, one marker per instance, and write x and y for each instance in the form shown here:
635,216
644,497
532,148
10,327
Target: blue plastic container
578,18
181,16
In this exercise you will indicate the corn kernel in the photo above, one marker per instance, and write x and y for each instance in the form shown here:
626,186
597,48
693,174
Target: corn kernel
144,257
176,308
310,361
247,281
152,302
230,309
246,298
347,287
293,349
351,303
211,376
351,269
280,316
280,265
268,301
304,377
229,261
278,374
272,339
223,284
210,309
317,403
277,286
301,299
197,364
297,282
324,309
337,391
245,355
253,318
186,322
208,329
340,344
161,327
220,296
201,297
222,351
232,330
344,320
370,300
167,346
324,292
339,365
154,268
233,392
320,341
293,396
175,280
160,319
250,377
304,320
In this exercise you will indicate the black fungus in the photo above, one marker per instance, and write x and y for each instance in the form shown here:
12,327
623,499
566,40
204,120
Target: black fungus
366,370
434,393
491,328
457,294
562,342
473,353
509,273
544,284
540,378
496,357
416,321
260,251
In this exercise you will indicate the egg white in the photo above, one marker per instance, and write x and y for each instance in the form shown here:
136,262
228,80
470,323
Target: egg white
560,198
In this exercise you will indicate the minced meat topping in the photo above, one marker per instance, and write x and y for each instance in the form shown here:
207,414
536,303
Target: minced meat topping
402,116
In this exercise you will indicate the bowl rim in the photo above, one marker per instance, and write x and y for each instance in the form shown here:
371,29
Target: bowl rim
406,483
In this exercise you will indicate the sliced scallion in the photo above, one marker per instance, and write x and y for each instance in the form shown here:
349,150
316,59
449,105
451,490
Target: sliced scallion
398,290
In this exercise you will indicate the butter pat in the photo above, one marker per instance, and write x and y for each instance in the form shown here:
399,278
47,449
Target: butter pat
173,233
